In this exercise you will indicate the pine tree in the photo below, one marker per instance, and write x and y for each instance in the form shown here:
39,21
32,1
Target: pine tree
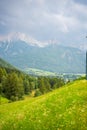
41,85
13,86
2,73
47,84
26,86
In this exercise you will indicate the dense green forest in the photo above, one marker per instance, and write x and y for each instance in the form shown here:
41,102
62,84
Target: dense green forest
14,84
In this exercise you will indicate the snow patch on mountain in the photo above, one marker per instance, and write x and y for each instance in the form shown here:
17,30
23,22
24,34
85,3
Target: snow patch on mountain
7,46
28,39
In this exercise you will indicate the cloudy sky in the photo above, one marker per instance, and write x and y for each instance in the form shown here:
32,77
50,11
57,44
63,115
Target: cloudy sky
64,21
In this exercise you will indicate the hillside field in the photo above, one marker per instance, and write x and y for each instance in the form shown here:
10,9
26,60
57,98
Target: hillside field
62,109
39,72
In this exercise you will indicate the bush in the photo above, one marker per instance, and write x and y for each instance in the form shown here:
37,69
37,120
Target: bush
13,98
37,93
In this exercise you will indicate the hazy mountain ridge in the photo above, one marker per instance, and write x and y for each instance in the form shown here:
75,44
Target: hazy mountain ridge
17,36
5,64
53,58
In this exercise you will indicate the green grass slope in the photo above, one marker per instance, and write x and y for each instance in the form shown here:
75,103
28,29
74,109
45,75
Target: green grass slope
3,100
62,109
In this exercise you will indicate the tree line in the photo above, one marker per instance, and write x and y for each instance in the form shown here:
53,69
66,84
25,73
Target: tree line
15,84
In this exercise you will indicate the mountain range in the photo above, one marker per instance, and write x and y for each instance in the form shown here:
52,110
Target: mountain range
53,57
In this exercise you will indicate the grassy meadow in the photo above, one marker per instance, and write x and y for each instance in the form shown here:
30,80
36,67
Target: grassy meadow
62,109
39,72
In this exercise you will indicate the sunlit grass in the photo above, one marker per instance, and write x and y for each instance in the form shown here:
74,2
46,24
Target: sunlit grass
62,109
3,100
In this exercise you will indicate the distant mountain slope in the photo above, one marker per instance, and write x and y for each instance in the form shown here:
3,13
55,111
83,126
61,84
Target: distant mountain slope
5,64
52,58
62,109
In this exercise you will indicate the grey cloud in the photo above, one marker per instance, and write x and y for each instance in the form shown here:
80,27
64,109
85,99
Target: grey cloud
44,19
81,1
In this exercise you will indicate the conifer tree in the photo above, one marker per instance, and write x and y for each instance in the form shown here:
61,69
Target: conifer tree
41,85
13,86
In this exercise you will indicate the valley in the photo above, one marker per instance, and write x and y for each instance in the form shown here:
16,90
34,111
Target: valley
43,64
53,58
65,76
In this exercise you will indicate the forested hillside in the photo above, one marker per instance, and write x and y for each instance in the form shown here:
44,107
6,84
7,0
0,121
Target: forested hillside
14,84
4,64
